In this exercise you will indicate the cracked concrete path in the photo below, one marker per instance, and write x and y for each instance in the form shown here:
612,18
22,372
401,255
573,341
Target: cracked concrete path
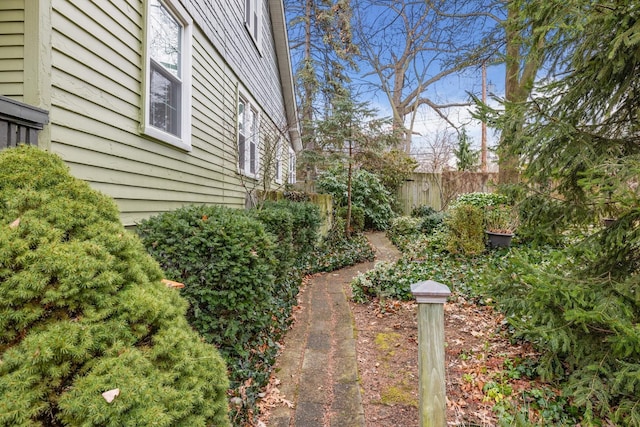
318,369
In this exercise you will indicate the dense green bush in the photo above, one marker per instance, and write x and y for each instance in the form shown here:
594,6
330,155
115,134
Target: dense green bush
392,167
432,223
337,251
465,229
586,327
226,260
367,192
431,219
83,311
357,217
482,200
306,224
294,226
403,230
422,211
278,221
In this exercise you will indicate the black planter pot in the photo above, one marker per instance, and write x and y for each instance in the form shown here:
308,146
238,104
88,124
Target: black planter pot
499,240
608,222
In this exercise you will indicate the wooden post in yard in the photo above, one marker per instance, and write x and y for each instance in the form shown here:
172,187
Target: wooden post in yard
431,297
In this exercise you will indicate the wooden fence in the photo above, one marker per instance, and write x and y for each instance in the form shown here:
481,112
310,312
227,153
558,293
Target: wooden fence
438,190
421,189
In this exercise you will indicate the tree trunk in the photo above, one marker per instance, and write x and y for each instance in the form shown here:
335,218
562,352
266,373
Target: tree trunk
309,85
349,180
508,161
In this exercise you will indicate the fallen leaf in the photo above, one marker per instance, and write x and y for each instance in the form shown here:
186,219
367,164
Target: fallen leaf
172,284
15,223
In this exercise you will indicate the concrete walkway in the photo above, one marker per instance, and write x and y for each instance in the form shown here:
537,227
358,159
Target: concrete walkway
318,369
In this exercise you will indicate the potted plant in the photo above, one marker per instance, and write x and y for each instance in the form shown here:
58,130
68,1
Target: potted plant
500,223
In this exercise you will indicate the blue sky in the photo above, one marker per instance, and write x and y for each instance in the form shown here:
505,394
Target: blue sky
383,26
453,89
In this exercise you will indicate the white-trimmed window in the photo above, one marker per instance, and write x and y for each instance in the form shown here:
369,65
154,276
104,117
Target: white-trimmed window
253,19
292,166
168,73
248,138
278,161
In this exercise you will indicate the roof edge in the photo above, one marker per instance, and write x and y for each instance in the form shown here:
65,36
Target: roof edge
278,21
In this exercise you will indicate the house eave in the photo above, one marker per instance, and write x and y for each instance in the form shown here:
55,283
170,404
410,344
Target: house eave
278,21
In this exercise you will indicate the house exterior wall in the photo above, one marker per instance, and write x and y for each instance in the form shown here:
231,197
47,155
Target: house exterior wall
12,49
255,66
95,100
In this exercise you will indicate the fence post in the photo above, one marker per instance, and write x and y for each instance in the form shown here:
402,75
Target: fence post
431,297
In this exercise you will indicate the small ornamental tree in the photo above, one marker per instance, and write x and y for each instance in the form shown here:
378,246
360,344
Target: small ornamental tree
83,312
466,157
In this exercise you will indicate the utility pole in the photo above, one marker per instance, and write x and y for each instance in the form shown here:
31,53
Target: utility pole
483,147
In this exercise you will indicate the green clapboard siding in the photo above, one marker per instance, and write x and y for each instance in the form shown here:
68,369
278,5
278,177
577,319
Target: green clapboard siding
97,74
12,48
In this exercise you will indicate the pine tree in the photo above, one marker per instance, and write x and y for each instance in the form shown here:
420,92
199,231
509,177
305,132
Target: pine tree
581,148
467,159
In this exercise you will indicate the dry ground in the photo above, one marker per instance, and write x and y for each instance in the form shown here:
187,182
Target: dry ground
475,354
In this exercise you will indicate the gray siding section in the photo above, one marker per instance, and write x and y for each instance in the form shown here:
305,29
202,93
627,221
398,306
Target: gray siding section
222,21
97,66
12,49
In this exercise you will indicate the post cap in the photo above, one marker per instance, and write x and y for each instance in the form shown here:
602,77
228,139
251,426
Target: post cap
430,291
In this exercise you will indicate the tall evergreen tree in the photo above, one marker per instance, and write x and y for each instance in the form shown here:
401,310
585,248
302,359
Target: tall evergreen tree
582,137
350,130
467,158
581,148
322,48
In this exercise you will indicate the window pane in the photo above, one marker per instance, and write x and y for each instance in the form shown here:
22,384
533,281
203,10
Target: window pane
241,128
252,157
166,38
292,167
241,135
254,141
255,24
278,161
241,151
165,94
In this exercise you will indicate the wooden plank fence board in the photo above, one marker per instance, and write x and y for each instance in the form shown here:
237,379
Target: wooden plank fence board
438,190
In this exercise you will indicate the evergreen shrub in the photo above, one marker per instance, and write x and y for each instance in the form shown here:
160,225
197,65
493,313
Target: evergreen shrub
278,221
226,260
357,217
422,211
306,224
337,251
294,226
367,192
586,326
465,229
431,219
83,311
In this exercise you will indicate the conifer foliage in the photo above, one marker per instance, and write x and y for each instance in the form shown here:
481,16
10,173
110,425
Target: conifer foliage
581,149
83,312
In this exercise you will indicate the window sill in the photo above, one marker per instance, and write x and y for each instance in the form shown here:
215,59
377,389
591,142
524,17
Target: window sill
248,175
183,144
